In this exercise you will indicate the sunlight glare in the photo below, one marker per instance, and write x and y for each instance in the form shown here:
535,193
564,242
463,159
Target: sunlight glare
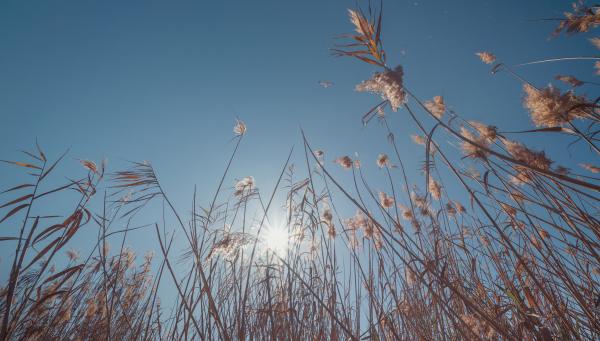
275,239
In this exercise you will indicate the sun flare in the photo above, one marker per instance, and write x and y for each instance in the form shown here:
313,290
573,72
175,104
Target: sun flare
275,239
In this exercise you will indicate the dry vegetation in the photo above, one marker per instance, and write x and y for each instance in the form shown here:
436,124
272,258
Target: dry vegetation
518,260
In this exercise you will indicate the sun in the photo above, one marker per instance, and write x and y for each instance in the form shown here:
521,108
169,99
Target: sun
275,239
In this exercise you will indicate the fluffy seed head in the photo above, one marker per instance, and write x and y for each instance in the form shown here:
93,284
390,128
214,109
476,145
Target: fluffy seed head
331,233
243,184
435,189
473,150
418,139
382,160
549,108
582,19
488,132
387,84
240,128
406,213
344,161
528,156
229,245
327,216
486,57
436,106
386,200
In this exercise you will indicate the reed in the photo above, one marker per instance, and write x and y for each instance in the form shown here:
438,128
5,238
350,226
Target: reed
513,254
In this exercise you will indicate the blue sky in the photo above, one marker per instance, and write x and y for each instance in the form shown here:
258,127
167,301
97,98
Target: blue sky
164,80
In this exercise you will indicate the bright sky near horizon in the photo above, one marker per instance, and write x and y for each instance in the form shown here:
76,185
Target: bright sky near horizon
165,80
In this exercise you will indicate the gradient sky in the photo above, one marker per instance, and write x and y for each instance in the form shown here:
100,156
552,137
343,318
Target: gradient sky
164,80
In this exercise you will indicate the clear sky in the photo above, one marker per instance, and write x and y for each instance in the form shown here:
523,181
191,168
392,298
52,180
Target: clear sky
164,80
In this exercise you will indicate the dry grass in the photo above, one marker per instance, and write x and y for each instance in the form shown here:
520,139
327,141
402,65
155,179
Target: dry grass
519,261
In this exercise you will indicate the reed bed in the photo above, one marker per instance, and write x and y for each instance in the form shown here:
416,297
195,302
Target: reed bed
494,242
